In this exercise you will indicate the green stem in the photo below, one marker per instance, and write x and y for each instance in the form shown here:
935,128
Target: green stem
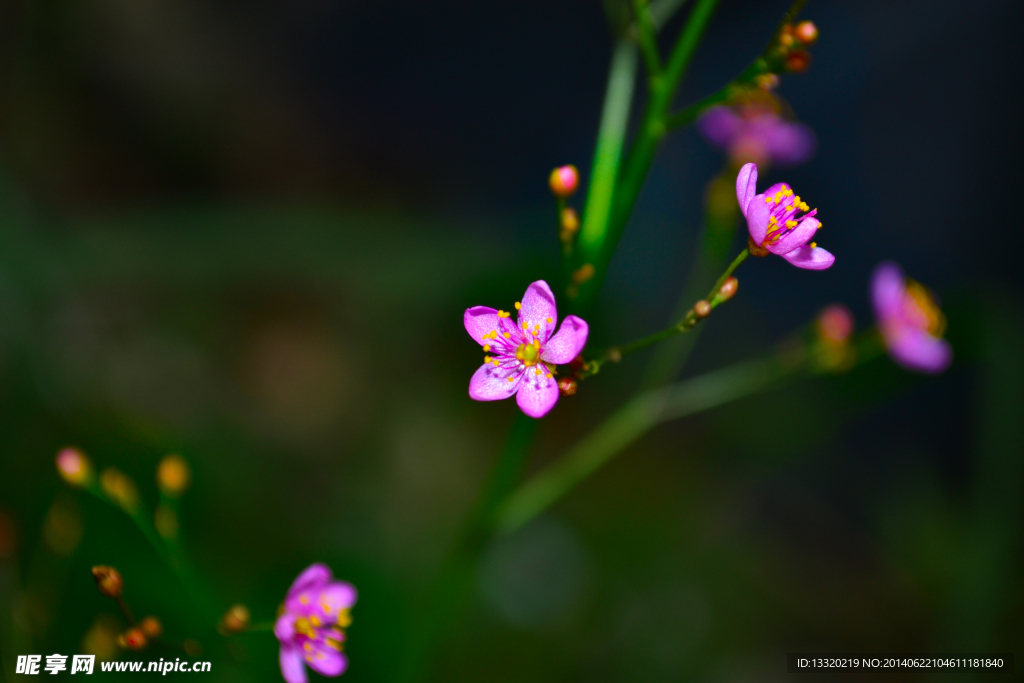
597,245
714,298
645,37
628,424
610,138
662,10
453,586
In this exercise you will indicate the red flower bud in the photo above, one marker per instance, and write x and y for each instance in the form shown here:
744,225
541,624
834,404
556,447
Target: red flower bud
108,581
798,60
728,289
563,181
567,386
806,32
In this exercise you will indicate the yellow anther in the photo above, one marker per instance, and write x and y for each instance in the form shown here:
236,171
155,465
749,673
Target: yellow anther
506,335
538,371
495,363
518,305
812,245
819,225
533,332
550,320
791,224
487,347
778,196
487,359
526,326
767,200
511,379
786,191
549,375
503,314
315,620
334,644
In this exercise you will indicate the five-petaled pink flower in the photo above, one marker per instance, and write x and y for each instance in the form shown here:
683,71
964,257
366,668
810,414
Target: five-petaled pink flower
910,321
311,627
780,223
755,132
522,353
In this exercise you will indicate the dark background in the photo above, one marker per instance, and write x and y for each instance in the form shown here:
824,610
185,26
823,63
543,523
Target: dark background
246,232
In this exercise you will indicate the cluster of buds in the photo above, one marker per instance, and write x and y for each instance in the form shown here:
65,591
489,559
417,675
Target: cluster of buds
564,181
793,41
703,308
111,585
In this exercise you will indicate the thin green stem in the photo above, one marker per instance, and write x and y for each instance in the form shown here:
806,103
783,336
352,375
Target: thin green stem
645,37
714,299
628,424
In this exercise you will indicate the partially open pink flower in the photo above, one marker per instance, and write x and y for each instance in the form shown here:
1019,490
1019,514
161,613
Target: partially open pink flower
780,222
910,321
311,627
523,353
757,133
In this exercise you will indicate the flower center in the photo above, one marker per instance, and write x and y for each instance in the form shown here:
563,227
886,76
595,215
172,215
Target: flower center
923,309
303,627
528,353
786,207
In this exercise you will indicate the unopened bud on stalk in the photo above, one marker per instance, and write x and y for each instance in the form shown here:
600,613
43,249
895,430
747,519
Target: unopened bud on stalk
132,639
120,488
236,619
108,581
173,475
702,309
835,323
567,386
798,60
786,35
806,32
569,221
563,181
151,627
728,289
74,467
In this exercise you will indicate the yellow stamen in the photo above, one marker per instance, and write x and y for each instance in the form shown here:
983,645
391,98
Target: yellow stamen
506,335
926,303
549,375
528,353
315,620
518,305
550,320
787,191
791,224
538,371
344,618
812,245
767,200
487,347
333,644
495,363
503,314
511,379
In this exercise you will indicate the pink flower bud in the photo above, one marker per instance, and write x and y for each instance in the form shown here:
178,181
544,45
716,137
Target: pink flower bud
806,32
74,467
702,309
567,386
564,180
835,323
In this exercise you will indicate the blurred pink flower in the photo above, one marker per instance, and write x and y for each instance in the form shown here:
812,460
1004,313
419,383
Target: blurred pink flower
758,134
910,321
523,352
773,224
311,627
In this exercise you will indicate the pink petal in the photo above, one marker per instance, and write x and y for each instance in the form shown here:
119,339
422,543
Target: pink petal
491,384
292,668
284,627
480,320
538,393
568,343
757,215
719,125
325,660
790,143
810,258
797,237
919,351
336,597
887,291
310,580
746,187
538,308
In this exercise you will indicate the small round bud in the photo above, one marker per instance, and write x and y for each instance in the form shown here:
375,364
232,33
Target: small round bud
798,60
767,81
74,467
728,289
120,488
806,32
567,386
702,309
151,627
835,323
786,35
583,273
564,180
108,581
132,639
173,475
569,221
236,619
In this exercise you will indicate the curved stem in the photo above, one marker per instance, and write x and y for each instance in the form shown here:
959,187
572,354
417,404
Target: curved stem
628,424
645,36
714,298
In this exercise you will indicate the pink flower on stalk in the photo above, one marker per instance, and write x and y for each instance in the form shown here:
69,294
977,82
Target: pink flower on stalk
523,353
311,627
910,321
757,133
780,222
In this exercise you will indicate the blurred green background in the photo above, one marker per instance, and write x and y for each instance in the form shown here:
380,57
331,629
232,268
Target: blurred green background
246,233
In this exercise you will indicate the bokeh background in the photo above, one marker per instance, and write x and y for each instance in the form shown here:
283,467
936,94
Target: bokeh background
246,232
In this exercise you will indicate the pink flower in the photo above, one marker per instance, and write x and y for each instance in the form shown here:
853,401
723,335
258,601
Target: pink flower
522,353
311,628
780,223
755,132
910,321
